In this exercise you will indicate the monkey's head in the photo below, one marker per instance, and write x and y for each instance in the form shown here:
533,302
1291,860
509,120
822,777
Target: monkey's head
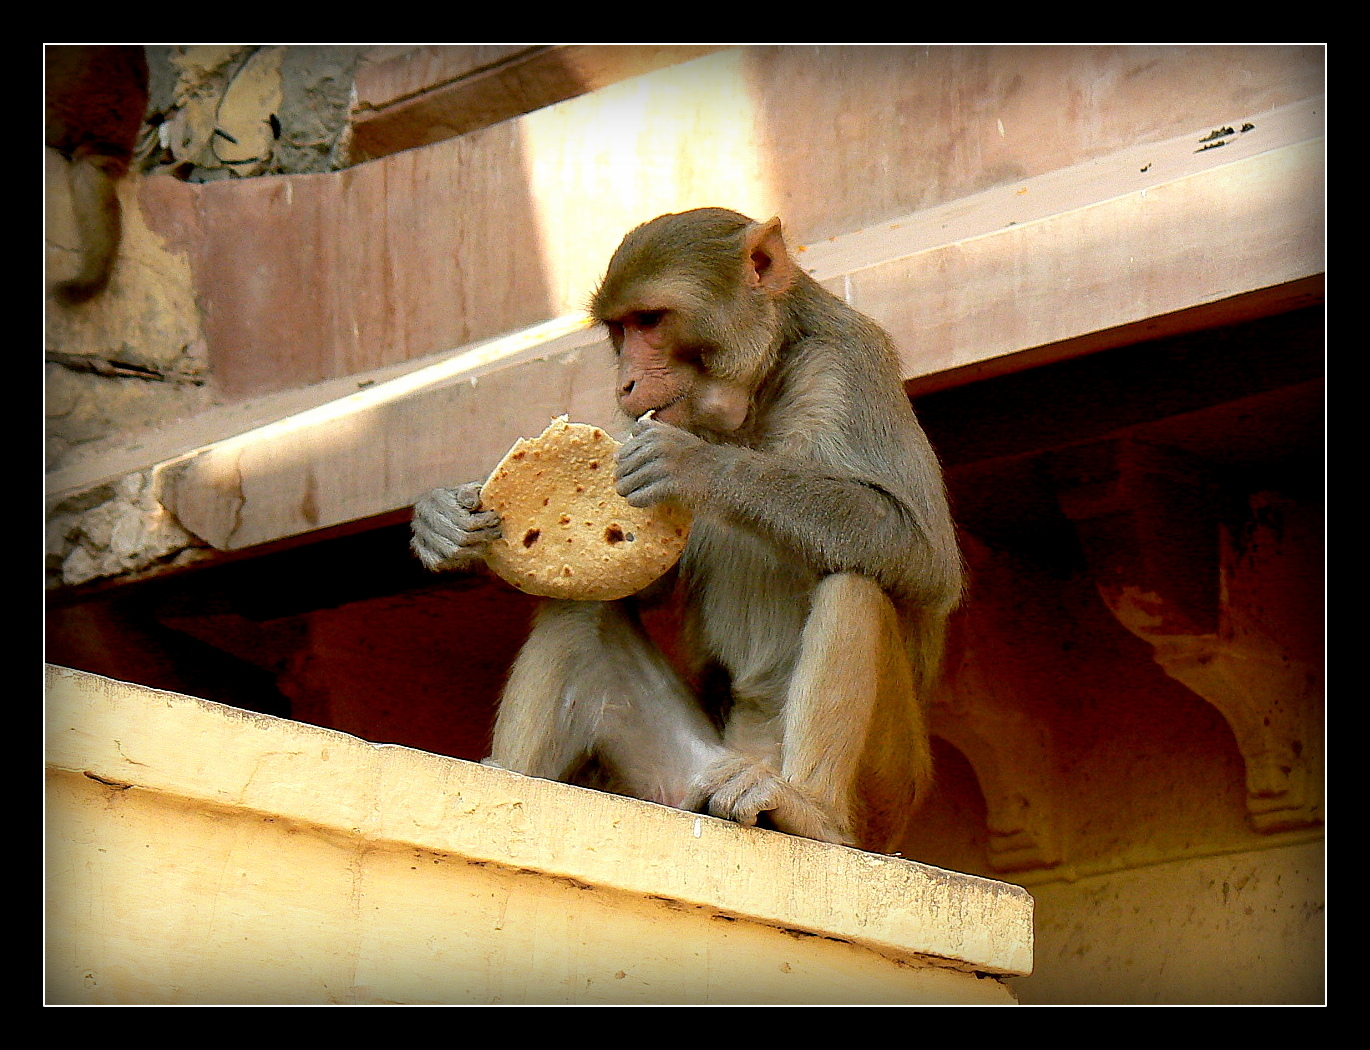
692,304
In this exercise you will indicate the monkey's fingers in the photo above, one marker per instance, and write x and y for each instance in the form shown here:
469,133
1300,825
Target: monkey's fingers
647,495
436,504
468,495
438,532
796,814
739,788
642,471
741,799
447,535
644,485
789,810
635,454
433,555
448,513
746,807
711,779
484,526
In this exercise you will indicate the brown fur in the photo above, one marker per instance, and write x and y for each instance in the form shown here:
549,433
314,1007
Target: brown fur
820,570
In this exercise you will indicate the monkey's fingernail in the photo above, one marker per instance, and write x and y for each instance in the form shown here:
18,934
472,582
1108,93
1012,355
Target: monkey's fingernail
650,413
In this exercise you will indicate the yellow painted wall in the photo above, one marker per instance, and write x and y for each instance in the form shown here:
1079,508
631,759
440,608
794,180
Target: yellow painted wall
200,854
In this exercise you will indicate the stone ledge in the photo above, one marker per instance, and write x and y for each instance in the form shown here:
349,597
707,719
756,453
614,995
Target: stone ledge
221,767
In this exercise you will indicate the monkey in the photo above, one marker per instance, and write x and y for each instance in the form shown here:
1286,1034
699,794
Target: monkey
96,99
820,570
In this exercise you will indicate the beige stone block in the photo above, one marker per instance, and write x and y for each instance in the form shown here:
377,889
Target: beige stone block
203,854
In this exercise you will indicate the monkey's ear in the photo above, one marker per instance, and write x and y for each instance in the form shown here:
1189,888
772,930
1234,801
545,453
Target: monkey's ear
768,264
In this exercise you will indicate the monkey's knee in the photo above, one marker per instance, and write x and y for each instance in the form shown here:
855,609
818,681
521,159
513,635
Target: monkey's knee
849,606
850,590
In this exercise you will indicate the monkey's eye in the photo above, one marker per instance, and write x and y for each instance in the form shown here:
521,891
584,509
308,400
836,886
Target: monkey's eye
649,318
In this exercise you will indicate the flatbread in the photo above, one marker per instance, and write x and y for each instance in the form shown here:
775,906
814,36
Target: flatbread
567,533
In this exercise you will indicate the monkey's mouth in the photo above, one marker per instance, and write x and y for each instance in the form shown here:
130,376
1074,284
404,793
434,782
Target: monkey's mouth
662,412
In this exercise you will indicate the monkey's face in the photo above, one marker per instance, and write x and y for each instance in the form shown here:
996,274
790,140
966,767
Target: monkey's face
690,304
653,373
661,370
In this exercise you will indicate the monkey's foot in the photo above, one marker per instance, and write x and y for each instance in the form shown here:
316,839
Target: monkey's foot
740,788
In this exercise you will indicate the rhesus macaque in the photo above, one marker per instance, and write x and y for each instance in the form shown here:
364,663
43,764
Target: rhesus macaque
96,98
819,572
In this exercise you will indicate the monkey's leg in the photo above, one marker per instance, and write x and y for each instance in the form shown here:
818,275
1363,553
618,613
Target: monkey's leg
589,682
803,764
855,737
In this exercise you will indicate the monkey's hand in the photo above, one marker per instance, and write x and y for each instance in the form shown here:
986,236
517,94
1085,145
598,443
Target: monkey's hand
740,788
449,531
662,462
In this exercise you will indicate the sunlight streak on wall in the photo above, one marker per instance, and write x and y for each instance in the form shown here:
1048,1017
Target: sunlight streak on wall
598,165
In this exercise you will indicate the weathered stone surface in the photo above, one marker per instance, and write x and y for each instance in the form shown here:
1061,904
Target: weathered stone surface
112,531
134,356
708,910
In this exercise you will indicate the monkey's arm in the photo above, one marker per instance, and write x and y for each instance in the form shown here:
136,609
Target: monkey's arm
835,517
449,531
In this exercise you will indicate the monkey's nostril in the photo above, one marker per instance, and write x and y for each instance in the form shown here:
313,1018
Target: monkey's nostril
627,387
